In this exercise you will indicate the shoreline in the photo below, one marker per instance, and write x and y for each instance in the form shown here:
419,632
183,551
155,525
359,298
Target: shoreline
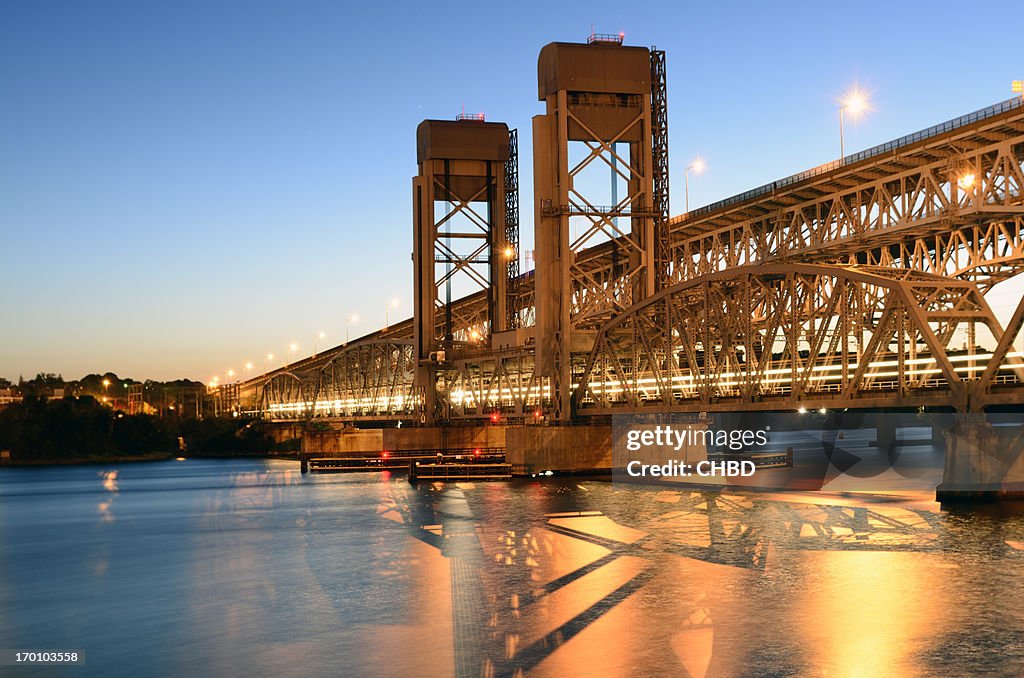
148,457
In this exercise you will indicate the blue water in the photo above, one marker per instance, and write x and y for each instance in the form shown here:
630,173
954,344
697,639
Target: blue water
210,567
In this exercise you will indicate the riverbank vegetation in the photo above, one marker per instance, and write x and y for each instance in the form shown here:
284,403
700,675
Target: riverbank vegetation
80,428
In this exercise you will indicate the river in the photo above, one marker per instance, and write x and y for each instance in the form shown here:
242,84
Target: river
247,567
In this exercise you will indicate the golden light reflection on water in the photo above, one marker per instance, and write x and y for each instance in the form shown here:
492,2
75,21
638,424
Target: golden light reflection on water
872,613
109,480
604,647
104,507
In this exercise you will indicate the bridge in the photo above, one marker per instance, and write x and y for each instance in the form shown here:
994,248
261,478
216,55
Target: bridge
860,283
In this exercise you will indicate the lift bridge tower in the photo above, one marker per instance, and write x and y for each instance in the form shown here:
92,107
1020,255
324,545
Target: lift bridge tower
606,116
465,240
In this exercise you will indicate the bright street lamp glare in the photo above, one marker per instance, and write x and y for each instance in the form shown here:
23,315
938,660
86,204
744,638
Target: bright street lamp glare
855,103
231,373
354,318
293,346
270,356
394,303
248,366
322,335
698,166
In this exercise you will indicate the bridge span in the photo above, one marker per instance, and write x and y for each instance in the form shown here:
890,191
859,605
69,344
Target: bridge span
860,283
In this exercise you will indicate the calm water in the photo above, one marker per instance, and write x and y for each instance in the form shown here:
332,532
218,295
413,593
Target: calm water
248,568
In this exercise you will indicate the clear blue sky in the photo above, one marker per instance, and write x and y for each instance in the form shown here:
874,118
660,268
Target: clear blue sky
186,186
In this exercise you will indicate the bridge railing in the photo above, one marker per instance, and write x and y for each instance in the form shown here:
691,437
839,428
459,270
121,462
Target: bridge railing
881,149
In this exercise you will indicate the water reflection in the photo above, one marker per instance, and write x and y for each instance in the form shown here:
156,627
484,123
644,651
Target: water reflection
249,567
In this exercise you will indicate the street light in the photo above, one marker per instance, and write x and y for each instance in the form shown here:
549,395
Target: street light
697,166
387,312
320,335
855,103
352,320
292,348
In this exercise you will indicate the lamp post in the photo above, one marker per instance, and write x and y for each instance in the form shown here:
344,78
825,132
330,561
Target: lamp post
387,312
319,335
856,104
697,166
352,320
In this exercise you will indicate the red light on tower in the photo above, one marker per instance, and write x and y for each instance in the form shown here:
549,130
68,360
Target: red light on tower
384,454
495,417
476,452
537,414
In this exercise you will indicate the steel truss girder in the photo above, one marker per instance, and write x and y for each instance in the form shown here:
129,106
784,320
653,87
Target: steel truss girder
477,386
367,379
911,211
974,240
779,336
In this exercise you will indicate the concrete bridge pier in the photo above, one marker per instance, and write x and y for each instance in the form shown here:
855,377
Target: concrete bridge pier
885,428
982,462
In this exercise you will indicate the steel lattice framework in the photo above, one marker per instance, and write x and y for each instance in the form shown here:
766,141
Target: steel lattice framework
949,203
937,213
370,379
659,157
784,335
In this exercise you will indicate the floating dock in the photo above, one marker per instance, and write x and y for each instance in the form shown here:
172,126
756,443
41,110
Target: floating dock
401,461
457,471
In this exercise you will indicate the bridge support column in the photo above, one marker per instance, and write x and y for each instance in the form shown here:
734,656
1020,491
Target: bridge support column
982,462
885,428
459,233
598,118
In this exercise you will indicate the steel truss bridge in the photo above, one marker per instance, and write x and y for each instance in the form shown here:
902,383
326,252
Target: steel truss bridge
860,283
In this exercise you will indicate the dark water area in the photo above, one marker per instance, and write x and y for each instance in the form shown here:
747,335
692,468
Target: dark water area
247,567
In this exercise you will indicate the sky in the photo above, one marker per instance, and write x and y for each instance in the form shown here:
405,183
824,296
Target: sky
188,186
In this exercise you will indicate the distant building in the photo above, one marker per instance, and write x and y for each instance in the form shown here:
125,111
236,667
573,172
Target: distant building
8,396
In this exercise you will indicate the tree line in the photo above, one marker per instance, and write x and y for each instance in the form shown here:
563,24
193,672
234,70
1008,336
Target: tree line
80,428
